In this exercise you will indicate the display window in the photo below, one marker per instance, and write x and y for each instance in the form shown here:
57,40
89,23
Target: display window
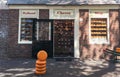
26,29
99,27
63,38
25,25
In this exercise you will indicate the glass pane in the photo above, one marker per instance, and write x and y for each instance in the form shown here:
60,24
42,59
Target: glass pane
63,38
44,31
26,29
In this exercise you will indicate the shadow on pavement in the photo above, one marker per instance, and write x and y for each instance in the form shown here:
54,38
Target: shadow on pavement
26,68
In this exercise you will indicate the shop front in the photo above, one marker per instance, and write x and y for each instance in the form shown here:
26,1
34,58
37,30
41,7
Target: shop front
55,35
65,31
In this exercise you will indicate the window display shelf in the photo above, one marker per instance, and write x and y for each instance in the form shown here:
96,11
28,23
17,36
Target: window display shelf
26,29
99,27
63,32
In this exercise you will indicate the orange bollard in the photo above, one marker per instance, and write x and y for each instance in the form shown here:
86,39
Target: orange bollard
41,62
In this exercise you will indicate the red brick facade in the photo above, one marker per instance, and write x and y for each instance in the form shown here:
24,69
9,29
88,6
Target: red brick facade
95,51
9,23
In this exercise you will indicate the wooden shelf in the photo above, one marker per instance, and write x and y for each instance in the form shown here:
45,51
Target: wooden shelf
99,27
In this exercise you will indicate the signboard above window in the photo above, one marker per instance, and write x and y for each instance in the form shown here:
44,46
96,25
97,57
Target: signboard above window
99,13
29,13
62,14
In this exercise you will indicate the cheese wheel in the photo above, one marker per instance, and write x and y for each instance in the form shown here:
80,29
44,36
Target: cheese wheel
40,72
40,69
40,62
40,65
42,55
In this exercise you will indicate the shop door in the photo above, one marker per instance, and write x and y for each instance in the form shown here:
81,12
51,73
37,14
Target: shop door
42,37
63,38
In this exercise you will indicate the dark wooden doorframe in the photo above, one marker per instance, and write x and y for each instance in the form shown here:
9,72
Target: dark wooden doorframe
46,45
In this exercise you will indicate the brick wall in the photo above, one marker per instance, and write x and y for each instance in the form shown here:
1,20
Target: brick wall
3,33
9,22
16,50
44,13
95,51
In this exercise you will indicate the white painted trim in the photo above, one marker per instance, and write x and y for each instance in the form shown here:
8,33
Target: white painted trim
19,28
58,7
107,17
76,34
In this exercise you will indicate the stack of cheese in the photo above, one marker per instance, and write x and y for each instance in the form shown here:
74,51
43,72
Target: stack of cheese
41,62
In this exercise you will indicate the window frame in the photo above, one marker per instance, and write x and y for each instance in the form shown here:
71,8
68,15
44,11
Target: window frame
107,41
19,28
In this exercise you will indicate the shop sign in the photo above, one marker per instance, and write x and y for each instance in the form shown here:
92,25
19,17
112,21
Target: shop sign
99,13
29,13
63,13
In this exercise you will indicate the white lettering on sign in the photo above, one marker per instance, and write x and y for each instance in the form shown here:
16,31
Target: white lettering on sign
63,14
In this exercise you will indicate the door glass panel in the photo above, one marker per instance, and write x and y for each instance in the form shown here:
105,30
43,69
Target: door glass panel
63,38
43,32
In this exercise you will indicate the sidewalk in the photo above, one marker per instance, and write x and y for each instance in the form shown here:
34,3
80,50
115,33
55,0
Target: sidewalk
26,68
